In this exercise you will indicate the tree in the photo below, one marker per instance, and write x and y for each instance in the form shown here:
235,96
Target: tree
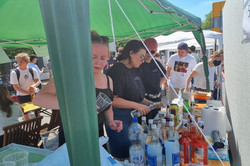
207,24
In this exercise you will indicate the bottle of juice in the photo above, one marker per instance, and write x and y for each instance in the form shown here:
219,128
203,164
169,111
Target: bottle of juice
185,145
201,148
193,135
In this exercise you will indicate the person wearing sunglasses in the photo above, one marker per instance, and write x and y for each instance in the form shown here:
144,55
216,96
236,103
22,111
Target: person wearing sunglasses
129,95
152,77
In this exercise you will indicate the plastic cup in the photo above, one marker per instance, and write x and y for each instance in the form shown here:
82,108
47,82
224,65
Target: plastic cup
19,158
50,140
7,163
102,101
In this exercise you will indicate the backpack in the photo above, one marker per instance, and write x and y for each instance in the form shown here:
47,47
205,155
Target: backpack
18,73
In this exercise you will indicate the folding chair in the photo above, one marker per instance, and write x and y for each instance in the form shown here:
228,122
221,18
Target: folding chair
25,133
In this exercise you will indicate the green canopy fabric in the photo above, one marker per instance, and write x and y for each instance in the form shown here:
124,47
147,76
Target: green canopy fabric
67,24
41,51
22,24
3,56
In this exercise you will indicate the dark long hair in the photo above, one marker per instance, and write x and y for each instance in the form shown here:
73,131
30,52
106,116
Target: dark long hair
132,45
5,100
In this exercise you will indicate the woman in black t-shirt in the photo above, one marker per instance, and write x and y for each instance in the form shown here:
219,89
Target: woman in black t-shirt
128,95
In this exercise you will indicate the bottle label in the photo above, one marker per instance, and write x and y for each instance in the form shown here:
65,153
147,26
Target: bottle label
175,159
137,160
185,115
198,155
185,154
152,160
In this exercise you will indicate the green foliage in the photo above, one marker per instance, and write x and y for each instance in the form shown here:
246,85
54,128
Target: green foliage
207,24
120,44
13,52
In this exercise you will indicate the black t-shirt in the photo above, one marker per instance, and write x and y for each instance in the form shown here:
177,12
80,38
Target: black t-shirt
107,91
127,82
151,76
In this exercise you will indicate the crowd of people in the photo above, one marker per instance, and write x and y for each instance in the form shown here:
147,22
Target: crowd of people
132,82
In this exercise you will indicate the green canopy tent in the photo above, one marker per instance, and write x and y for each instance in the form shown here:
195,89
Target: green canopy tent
67,24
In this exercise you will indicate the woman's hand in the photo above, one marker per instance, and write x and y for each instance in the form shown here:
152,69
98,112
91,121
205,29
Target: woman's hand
116,125
143,109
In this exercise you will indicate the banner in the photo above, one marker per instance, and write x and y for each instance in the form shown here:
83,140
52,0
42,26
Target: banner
246,21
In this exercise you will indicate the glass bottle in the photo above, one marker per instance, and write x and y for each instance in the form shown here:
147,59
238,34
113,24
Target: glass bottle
163,136
144,124
186,103
185,145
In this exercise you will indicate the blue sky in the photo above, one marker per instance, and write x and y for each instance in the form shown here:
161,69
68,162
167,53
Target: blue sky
197,7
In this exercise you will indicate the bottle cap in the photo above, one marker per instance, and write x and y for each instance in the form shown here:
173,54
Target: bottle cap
135,120
171,123
171,116
150,121
163,120
153,126
143,118
201,124
184,123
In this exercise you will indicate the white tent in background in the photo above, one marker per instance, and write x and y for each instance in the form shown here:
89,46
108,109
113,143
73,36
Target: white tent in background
171,41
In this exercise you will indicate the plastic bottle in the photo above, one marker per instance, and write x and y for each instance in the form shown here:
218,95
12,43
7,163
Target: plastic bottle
193,134
201,148
154,150
186,103
180,107
172,148
148,139
185,145
136,151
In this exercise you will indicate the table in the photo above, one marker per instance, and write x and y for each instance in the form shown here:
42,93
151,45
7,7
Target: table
35,154
211,162
30,107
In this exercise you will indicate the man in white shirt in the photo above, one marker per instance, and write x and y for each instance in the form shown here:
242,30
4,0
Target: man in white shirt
33,60
24,79
179,67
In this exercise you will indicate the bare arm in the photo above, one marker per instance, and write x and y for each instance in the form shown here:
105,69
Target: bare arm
163,80
191,75
109,115
46,97
19,89
167,75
